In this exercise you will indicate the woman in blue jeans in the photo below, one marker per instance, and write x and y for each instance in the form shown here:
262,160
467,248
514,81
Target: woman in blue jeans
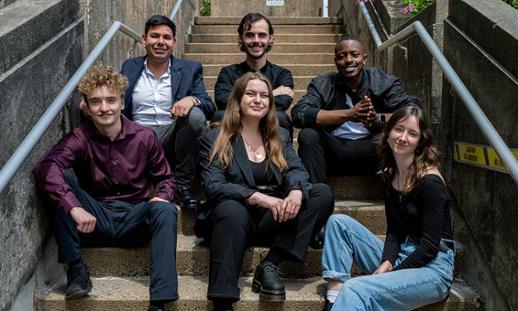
414,267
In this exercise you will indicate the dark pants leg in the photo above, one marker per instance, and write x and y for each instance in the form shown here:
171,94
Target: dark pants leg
323,154
180,143
231,226
123,224
292,237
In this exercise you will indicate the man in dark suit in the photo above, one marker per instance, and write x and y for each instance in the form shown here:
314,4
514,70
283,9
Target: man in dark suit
168,94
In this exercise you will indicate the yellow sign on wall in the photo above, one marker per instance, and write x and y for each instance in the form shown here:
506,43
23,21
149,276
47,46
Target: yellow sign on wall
480,155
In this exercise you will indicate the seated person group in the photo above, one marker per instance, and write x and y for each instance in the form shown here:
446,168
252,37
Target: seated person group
146,133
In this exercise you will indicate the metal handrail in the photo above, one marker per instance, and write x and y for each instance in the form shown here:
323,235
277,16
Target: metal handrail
462,91
24,149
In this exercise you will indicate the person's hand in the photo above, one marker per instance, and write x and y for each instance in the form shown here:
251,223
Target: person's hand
291,205
182,107
157,199
266,201
283,90
386,266
84,220
361,111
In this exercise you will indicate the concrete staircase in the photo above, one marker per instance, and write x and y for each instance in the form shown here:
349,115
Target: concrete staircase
120,276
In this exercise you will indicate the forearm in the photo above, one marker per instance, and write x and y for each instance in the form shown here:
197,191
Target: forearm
329,118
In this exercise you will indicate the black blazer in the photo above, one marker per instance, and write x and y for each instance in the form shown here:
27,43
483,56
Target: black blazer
237,182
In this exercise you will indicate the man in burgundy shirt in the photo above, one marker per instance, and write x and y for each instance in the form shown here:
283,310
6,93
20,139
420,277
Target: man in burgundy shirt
109,202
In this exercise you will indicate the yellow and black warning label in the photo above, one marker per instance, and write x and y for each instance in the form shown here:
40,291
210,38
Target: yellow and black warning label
480,155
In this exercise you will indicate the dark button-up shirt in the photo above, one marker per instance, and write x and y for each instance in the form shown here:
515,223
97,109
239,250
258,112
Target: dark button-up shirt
122,169
228,75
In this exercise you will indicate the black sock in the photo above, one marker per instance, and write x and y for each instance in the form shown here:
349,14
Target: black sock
157,304
222,304
274,257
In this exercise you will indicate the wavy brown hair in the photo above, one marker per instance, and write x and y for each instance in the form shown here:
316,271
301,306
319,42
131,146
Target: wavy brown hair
231,125
426,155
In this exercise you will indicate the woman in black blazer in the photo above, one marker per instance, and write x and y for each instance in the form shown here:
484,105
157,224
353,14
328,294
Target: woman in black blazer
257,192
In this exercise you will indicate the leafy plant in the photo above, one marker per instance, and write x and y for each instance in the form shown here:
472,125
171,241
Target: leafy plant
205,8
513,3
415,6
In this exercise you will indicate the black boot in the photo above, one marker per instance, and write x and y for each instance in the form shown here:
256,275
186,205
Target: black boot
327,306
317,241
78,281
267,282
186,198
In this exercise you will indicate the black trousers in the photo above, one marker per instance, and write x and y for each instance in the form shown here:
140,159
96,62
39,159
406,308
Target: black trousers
234,227
124,225
284,119
180,143
326,155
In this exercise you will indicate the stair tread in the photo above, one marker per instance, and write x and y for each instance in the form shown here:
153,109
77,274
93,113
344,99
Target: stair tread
192,290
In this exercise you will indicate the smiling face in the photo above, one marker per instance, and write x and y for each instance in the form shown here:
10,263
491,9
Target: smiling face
350,58
404,137
104,106
256,40
159,42
255,101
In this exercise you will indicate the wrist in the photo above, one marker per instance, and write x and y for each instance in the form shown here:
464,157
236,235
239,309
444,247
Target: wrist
196,102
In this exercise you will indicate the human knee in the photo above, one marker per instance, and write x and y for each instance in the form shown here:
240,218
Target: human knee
325,195
163,210
197,121
230,214
308,137
340,222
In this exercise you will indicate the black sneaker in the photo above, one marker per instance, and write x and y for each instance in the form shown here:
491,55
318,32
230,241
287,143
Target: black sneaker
78,281
267,282
186,198
317,241
327,306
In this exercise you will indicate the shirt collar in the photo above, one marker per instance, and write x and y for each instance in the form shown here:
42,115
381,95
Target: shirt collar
245,68
166,74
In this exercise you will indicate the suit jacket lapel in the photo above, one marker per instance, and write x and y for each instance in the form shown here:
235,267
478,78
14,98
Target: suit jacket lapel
176,74
242,161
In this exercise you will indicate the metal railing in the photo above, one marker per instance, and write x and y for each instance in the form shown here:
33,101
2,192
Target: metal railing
462,91
14,163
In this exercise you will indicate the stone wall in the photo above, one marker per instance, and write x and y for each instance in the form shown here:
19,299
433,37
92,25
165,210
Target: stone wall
290,8
41,44
101,14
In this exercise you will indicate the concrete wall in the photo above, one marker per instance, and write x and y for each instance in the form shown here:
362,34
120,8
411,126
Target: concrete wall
101,14
290,8
481,40
482,51
40,47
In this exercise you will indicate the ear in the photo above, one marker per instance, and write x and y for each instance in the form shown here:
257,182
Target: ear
143,39
365,57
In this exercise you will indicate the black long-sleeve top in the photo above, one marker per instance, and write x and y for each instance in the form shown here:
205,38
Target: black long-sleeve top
278,76
422,214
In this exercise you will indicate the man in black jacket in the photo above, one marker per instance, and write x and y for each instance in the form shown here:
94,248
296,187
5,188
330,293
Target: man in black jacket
256,40
341,113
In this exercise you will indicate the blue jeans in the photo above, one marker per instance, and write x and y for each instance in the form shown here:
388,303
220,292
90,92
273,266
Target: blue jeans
407,289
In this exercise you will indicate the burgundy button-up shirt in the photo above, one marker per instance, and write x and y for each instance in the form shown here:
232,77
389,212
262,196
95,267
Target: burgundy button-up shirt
122,169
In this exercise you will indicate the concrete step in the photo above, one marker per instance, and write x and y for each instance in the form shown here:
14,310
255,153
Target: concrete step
301,82
234,20
296,69
232,47
132,293
193,255
281,38
278,29
277,58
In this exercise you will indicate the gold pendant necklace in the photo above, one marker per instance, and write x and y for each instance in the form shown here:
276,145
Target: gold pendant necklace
258,156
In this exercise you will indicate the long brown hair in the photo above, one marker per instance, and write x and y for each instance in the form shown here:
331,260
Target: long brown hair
231,125
426,155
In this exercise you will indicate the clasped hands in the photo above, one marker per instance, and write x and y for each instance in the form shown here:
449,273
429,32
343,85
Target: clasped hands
282,209
364,112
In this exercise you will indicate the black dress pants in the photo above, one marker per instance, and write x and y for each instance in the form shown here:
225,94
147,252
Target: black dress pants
123,224
235,226
324,154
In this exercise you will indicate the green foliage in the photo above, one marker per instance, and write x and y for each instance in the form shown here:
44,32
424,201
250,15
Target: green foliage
205,8
415,6
513,3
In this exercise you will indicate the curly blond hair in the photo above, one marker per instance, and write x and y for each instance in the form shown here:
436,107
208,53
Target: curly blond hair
102,75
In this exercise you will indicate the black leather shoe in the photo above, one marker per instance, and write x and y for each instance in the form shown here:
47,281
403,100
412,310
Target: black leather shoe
317,241
327,306
267,282
78,281
186,198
